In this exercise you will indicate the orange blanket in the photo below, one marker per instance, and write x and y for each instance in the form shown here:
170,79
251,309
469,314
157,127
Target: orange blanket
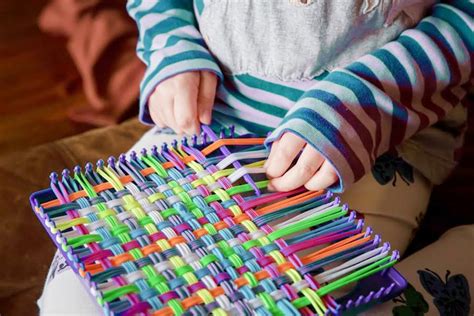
101,39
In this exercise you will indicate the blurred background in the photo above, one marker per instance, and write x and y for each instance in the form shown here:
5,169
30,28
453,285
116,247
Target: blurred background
69,85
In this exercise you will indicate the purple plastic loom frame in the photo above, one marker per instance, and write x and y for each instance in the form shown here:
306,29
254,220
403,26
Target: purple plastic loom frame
375,289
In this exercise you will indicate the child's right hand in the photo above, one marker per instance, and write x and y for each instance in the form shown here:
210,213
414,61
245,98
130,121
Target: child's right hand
184,101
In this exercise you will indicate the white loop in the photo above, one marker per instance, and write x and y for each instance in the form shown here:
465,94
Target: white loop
164,187
190,258
227,161
162,266
214,186
257,234
95,225
182,181
255,303
201,174
155,216
194,192
277,295
86,211
122,216
173,199
140,195
300,285
233,242
239,173
133,276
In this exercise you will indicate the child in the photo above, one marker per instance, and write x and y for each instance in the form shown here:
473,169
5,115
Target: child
351,103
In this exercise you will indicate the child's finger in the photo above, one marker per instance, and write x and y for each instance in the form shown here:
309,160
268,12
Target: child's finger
207,94
325,177
185,108
280,160
307,165
165,110
154,105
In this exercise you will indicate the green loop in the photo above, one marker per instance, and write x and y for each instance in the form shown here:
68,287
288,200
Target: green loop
176,306
156,279
250,244
116,293
168,212
210,228
312,221
206,260
211,198
120,229
235,260
253,282
145,221
183,270
81,240
227,251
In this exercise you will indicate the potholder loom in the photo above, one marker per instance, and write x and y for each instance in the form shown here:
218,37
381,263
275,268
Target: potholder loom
191,229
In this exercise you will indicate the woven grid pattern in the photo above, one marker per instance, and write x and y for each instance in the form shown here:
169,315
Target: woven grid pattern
188,230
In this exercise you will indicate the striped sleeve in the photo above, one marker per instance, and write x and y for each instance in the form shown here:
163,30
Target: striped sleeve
169,44
359,112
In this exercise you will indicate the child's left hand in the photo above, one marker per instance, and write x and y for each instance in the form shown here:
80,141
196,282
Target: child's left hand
311,170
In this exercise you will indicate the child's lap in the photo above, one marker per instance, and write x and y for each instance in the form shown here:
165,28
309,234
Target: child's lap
394,210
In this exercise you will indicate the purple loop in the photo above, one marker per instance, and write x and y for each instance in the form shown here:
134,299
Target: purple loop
131,245
98,255
138,308
193,288
202,220
182,227
221,277
157,236
265,261
242,270
223,214
168,296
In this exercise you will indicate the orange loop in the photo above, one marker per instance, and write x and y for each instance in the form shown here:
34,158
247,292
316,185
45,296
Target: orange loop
94,268
165,311
191,301
217,291
318,255
221,225
147,171
118,260
289,202
241,282
151,249
240,218
200,232
231,141
285,267
260,275
177,240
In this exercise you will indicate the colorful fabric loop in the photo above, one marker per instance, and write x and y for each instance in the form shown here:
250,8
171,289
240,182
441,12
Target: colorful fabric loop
192,229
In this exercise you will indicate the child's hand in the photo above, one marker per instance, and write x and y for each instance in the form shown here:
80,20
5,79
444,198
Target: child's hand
311,169
184,100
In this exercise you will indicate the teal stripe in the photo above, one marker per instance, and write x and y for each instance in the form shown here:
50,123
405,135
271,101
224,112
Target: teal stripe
261,106
164,26
464,5
278,89
192,45
457,23
199,6
187,56
163,6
